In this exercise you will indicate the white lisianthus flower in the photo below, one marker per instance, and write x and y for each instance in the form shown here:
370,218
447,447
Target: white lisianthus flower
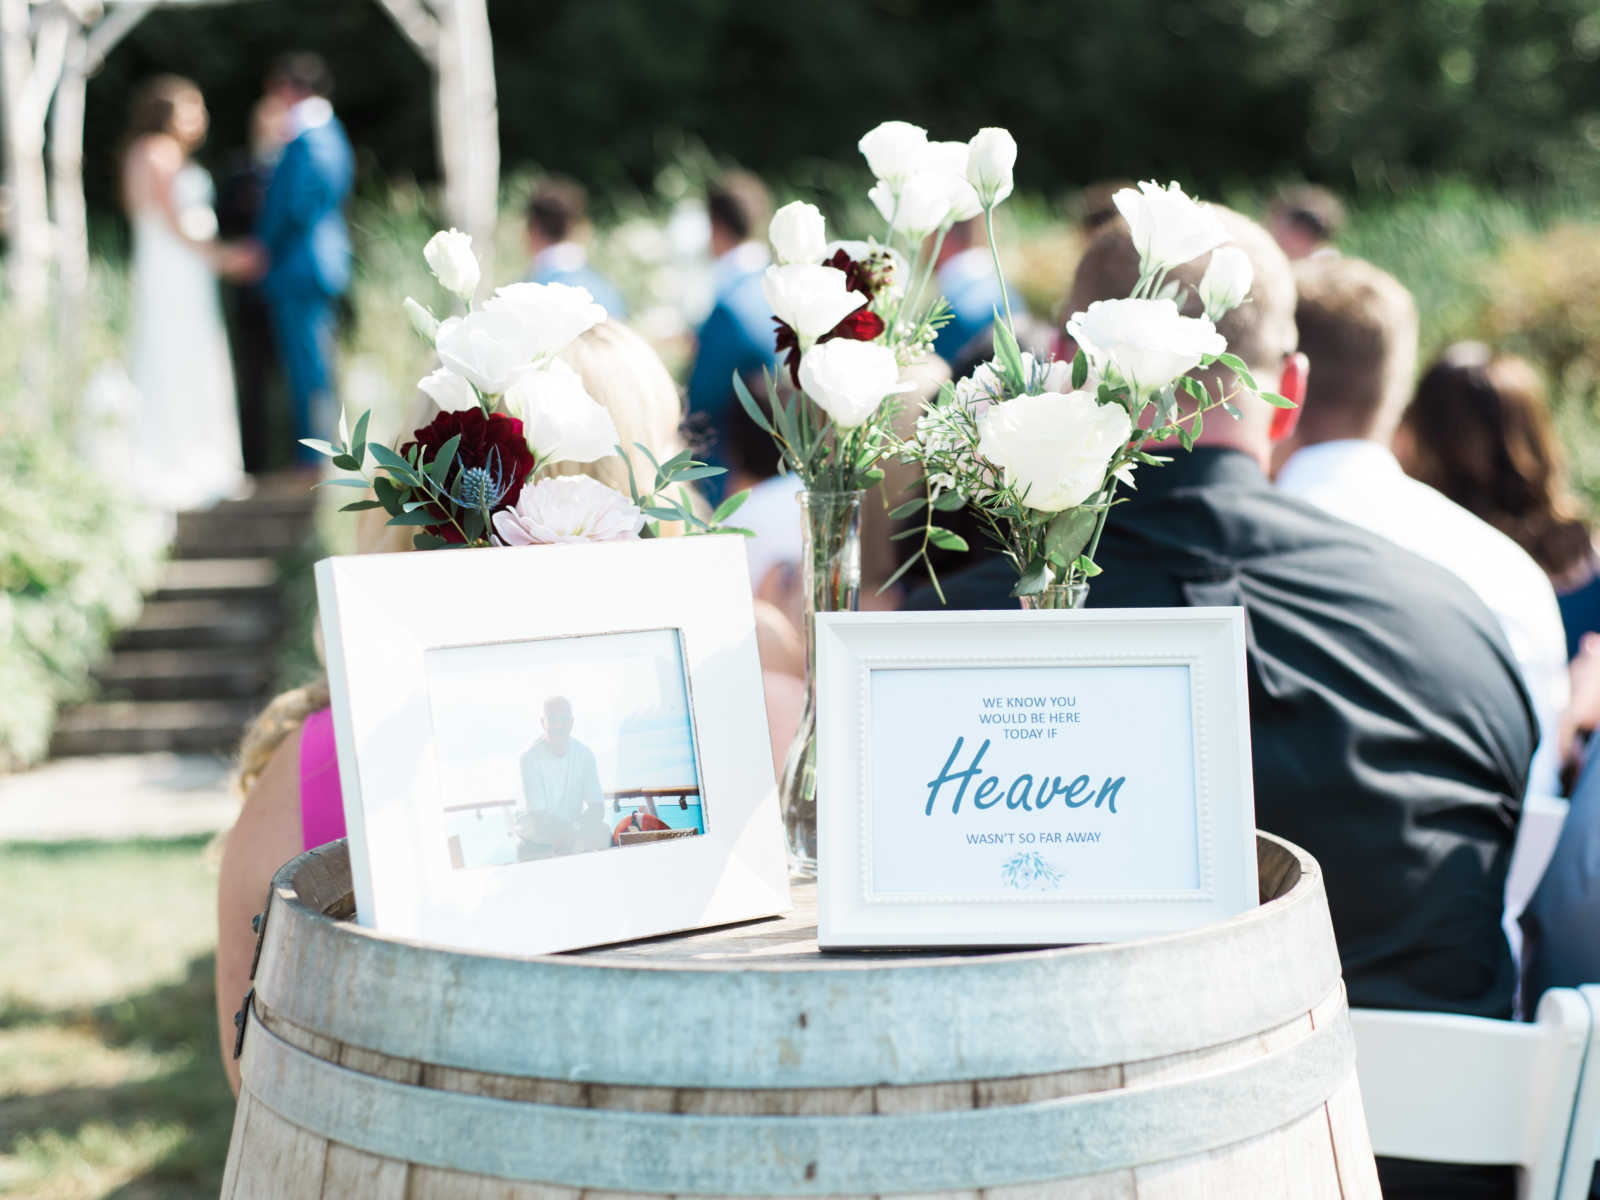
1168,228
947,162
1145,343
450,258
922,205
448,390
891,151
560,420
1226,282
810,299
555,314
487,347
423,321
991,159
1053,448
568,508
848,380
798,234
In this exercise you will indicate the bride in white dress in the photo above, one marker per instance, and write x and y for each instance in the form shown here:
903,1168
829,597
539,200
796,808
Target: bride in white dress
185,442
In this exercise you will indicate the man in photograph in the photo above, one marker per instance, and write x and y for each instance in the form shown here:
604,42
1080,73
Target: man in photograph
563,811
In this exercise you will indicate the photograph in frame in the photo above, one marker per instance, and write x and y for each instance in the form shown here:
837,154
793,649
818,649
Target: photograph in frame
580,761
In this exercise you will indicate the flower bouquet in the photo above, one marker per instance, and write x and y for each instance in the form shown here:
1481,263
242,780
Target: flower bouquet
1038,449
850,315
477,474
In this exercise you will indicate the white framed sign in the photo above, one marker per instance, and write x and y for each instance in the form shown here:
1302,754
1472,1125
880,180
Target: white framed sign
548,747
1017,778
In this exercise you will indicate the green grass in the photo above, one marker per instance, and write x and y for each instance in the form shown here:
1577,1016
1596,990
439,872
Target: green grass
110,1081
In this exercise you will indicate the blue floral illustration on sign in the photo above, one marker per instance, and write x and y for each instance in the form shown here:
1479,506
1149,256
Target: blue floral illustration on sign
1029,871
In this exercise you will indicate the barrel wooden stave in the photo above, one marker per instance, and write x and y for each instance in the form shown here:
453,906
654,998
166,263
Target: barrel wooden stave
1320,1151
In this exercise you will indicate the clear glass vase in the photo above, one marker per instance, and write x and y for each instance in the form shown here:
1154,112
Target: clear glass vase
1059,595
830,562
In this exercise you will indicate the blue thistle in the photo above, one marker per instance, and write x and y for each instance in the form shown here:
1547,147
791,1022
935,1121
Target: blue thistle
479,489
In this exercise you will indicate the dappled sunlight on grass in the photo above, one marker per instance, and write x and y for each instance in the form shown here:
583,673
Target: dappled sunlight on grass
110,1083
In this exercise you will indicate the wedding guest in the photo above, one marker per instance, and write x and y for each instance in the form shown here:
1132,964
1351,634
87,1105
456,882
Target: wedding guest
1390,730
561,797
558,229
737,337
1479,431
1358,327
308,248
965,277
288,771
1306,220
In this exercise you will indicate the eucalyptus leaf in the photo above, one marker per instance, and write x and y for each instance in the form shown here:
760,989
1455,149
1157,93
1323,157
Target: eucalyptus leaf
946,540
355,483
388,495
748,402
473,524
321,447
694,474
1034,579
901,535
416,517
392,462
1277,401
950,502
359,505
1087,565
1080,370
347,462
1069,532
1008,355
440,467
428,541
358,439
905,510
730,506
1236,364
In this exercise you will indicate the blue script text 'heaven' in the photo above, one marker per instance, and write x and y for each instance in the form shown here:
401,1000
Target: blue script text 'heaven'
1022,794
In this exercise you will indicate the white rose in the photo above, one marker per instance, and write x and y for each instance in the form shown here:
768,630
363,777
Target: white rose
991,159
555,313
891,151
423,321
1053,448
448,390
487,347
568,508
849,380
450,258
1145,343
1226,282
810,299
1168,228
560,420
797,233
946,162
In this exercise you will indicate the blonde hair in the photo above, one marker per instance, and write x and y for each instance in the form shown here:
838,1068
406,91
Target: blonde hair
626,377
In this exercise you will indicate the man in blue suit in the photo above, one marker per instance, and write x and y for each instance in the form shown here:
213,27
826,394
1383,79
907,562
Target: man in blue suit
965,276
738,336
558,219
307,246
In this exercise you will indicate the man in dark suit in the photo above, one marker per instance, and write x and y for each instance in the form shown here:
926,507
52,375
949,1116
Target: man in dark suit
558,223
308,248
1390,730
738,336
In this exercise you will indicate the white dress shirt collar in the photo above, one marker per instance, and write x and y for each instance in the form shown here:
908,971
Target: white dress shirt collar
560,257
744,259
311,113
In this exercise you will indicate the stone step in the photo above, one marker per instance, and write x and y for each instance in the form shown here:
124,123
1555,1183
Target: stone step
199,674
182,624
140,727
264,537
216,579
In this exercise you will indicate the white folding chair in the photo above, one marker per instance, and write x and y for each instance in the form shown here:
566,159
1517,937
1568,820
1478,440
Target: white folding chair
1452,1089
1537,834
1583,1141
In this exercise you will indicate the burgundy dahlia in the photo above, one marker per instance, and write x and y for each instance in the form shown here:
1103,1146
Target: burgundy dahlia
492,461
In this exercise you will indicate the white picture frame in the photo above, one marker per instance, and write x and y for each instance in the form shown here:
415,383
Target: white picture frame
907,858
440,664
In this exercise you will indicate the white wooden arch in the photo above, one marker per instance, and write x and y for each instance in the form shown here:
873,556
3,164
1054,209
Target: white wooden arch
50,48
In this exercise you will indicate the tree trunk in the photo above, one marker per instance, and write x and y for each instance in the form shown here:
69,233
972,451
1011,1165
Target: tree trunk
469,123
71,219
29,253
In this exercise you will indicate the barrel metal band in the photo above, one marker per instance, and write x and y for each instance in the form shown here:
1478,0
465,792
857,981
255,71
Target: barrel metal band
799,1156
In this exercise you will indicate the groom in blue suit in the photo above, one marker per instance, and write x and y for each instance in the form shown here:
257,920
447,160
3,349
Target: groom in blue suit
307,246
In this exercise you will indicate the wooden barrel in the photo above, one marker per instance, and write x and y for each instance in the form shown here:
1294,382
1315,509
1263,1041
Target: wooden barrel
740,1062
